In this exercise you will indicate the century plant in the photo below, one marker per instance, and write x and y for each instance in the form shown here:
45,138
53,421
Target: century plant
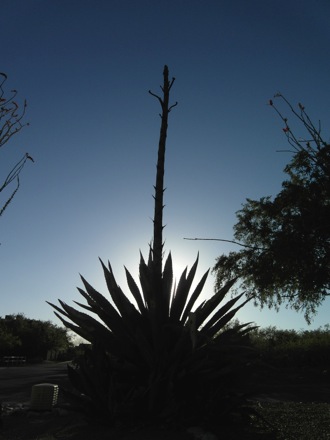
166,356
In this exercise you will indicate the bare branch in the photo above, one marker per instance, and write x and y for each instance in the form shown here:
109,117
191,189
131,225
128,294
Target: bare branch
171,83
174,105
156,96
10,198
11,115
227,241
284,151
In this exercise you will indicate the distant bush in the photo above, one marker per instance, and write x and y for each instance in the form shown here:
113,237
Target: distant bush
292,348
21,336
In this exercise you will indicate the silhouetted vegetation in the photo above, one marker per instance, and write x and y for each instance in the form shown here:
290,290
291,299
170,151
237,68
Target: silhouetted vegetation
159,360
11,122
285,240
20,336
290,348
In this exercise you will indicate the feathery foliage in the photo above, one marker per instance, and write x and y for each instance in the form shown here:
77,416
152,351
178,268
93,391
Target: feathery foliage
285,240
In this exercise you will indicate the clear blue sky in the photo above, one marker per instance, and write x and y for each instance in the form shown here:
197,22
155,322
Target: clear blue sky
85,67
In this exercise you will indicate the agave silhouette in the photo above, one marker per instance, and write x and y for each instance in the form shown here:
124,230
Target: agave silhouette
164,355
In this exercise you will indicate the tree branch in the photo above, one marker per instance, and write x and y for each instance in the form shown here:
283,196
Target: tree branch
227,241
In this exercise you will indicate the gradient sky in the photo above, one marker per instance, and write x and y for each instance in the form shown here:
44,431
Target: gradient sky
85,67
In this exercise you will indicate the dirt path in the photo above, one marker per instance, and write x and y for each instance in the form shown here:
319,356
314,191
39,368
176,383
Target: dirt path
16,382
278,387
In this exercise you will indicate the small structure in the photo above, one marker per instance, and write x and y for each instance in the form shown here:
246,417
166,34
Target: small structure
12,361
44,396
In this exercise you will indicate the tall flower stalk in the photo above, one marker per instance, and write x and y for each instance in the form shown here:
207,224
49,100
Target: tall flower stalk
163,357
160,302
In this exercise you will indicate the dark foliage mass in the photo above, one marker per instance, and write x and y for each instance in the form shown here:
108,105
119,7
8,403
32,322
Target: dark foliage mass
21,336
291,348
285,254
163,357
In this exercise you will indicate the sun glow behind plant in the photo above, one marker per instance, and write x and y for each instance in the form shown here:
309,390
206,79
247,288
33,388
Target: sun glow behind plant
94,128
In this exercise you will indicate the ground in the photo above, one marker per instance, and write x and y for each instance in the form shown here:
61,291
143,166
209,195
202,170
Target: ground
296,403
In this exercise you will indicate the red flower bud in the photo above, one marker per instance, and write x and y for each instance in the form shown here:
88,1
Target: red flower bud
286,129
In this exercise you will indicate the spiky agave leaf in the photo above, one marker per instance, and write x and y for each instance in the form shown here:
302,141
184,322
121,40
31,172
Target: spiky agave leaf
94,297
129,332
182,292
110,315
125,307
84,306
106,311
204,311
134,289
194,297
75,328
90,326
145,276
157,304
224,319
167,282
241,330
222,311
119,332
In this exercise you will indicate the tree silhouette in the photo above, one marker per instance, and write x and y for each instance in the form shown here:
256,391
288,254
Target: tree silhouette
285,240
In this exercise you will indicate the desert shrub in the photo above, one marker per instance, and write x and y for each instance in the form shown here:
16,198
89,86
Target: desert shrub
293,348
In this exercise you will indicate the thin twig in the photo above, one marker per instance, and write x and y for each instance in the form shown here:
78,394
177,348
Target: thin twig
227,241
